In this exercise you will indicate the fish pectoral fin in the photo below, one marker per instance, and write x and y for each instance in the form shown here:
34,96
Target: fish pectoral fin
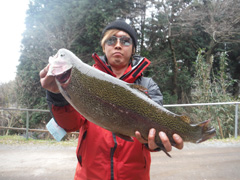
140,88
164,150
161,147
124,137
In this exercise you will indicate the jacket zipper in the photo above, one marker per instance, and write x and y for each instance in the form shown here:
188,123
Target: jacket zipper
112,155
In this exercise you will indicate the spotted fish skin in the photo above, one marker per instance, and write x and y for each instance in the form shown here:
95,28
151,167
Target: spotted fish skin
117,106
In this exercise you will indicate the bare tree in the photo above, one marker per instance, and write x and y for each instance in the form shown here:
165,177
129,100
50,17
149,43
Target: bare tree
171,10
8,99
218,18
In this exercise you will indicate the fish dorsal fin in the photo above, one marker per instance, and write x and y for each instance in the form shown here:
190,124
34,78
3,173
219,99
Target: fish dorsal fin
204,123
140,88
185,119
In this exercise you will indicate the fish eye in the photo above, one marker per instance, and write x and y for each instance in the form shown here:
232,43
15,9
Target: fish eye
62,55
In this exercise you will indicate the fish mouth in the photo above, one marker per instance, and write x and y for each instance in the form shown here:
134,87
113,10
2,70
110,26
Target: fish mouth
64,77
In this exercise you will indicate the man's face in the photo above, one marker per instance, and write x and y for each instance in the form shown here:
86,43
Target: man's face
118,54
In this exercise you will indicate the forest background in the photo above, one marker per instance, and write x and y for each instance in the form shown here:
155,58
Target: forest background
194,47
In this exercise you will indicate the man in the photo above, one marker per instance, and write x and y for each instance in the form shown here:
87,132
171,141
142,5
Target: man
101,154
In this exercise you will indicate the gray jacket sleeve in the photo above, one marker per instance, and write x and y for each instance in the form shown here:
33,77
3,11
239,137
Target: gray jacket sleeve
153,89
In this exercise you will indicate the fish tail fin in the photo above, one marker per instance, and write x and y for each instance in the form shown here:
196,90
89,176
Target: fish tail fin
207,132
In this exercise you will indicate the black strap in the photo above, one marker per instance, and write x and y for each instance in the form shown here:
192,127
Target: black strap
139,69
112,154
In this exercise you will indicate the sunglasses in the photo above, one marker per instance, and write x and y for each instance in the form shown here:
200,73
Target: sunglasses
124,40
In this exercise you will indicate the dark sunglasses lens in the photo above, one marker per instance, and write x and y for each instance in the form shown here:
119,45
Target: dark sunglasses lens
111,41
126,41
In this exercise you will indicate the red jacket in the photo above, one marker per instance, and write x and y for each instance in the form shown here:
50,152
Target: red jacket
101,154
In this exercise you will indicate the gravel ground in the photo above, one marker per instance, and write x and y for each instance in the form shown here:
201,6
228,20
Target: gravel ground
207,161
213,160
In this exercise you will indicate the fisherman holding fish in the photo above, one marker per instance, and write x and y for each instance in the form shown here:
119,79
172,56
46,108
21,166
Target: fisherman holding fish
101,153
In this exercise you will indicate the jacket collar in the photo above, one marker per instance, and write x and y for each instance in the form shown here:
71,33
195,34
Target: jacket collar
138,65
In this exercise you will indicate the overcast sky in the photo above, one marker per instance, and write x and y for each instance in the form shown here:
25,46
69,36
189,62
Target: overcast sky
12,18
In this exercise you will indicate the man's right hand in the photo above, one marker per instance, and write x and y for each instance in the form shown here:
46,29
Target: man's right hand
48,82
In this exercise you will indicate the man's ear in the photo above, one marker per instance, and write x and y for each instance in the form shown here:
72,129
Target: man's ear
133,50
103,49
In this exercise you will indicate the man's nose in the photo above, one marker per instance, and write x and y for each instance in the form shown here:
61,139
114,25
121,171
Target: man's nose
118,43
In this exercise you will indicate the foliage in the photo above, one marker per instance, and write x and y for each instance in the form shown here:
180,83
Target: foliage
8,98
207,89
8,94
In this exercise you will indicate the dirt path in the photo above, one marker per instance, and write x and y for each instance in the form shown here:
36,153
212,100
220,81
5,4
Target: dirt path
210,161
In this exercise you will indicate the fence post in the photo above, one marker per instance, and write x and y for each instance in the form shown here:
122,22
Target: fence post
236,121
27,125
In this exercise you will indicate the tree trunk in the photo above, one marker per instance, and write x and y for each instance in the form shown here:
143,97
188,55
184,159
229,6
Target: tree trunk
209,59
174,67
143,16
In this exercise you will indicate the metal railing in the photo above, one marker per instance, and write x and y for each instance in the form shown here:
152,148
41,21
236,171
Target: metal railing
213,104
170,105
27,119
27,129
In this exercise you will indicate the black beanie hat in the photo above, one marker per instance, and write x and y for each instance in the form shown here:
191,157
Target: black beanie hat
122,25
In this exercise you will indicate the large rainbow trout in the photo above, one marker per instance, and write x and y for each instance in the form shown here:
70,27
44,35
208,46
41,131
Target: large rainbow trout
117,106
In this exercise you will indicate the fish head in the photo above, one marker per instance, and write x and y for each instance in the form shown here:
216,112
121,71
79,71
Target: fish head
61,65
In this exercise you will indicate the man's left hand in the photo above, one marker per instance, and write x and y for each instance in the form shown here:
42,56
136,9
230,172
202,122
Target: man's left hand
165,141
